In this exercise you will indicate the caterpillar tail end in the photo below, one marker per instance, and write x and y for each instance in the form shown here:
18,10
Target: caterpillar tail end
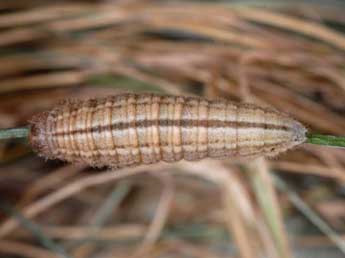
37,135
299,133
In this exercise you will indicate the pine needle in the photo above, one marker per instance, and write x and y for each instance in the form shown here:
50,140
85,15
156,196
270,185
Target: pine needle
12,133
326,140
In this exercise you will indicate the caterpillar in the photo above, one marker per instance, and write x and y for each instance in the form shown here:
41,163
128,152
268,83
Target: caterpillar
131,129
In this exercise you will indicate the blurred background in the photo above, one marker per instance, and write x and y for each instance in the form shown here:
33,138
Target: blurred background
286,54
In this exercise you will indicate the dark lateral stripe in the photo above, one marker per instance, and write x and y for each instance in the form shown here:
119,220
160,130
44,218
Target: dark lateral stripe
167,123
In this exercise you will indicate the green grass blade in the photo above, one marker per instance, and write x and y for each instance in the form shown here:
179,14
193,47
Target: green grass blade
11,133
326,140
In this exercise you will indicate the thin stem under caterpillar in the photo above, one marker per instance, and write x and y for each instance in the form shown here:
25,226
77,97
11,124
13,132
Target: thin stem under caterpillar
131,129
317,139
13,133
326,140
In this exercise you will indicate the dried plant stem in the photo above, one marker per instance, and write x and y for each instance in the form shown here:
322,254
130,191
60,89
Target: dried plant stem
268,201
21,249
69,190
34,229
309,213
326,140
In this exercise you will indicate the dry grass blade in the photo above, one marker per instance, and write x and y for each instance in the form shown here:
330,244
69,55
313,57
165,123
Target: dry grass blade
108,233
294,24
268,201
24,250
239,215
65,192
50,181
319,170
35,230
311,215
157,224
104,213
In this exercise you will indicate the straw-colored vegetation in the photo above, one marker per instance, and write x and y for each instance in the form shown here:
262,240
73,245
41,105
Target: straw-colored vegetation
289,56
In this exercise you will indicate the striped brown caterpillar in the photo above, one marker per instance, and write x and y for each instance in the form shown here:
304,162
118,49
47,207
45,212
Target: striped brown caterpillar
131,129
